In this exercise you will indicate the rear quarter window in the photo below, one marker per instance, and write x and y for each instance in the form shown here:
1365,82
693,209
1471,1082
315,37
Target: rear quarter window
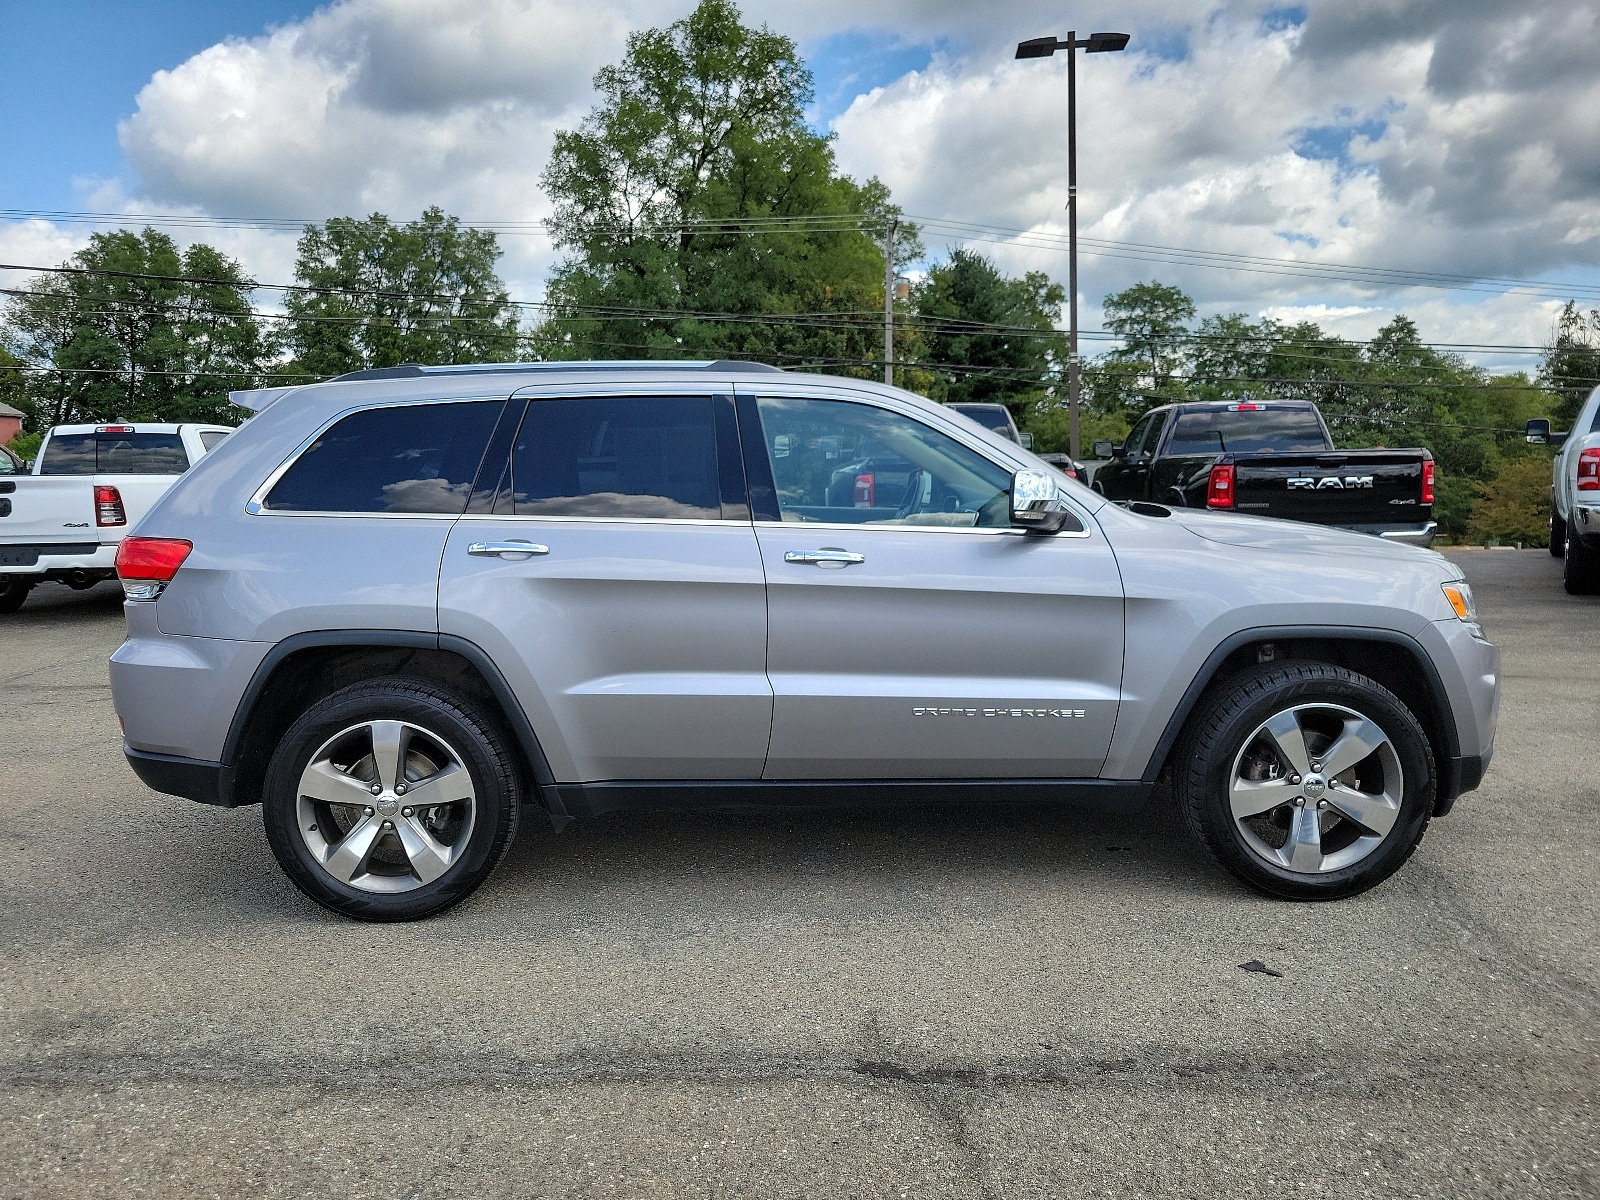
412,458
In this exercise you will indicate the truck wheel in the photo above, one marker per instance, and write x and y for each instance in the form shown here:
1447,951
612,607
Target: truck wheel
391,800
1581,575
1558,534
1305,780
13,592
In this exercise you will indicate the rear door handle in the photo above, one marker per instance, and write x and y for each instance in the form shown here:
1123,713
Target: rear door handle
513,549
828,556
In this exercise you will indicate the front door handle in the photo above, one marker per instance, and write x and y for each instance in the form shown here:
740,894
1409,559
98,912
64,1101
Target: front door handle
828,556
515,549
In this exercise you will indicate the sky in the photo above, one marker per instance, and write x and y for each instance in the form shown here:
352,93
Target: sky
1336,160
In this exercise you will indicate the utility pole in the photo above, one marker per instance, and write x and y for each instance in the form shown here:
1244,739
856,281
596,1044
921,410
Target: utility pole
1044,48
888,302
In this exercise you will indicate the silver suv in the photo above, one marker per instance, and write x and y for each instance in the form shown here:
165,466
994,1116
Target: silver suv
403,608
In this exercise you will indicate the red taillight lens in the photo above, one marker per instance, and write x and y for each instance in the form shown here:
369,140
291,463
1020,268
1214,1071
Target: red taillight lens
1427,481
866,495
108,508
146,564
1589,470
1219,488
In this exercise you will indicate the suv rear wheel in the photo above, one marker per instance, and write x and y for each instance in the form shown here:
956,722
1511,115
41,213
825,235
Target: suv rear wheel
391,800
1306,780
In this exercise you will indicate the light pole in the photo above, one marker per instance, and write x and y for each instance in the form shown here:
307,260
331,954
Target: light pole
1095,43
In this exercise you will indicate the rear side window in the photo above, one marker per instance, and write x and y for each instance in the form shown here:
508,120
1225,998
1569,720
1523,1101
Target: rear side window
413,458
1279,430
624,456
115,454
210,437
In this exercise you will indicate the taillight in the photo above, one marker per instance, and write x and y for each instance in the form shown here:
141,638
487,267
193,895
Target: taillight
1219,488
1427,481
866,495
1589,470
146,564
108,508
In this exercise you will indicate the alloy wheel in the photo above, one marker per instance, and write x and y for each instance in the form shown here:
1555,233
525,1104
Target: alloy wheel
1315,788
386,806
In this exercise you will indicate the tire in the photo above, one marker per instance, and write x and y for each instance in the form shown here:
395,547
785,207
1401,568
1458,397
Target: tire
390,860
13,592
1558,534
1324,853
1581,574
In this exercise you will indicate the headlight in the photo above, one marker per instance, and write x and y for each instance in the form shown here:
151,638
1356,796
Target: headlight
1460,597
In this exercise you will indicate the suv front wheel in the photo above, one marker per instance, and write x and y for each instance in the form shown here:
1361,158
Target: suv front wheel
1306,780
391,800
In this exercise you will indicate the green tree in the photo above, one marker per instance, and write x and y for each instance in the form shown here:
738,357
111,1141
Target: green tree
1002,330
1514,506
1152,321
696,187
137,329
378,294
1571,365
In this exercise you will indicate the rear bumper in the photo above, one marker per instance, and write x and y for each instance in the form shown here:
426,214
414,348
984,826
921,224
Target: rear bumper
1585,525
191,778
69,561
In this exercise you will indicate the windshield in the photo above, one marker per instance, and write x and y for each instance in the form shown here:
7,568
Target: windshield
1273,430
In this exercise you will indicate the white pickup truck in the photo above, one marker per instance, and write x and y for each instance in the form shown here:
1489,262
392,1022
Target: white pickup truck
90,484
1575,495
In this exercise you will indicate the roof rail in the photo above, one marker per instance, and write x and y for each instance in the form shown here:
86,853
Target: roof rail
418,371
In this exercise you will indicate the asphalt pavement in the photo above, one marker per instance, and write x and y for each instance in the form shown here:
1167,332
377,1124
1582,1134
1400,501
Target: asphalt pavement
968,1002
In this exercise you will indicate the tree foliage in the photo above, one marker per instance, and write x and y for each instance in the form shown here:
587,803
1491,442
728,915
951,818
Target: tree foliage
1514,506
378,294
1572,362
700,137
1001,330
136,329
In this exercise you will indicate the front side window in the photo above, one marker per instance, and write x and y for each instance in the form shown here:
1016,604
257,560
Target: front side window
618,457
413,458
114,454
841,462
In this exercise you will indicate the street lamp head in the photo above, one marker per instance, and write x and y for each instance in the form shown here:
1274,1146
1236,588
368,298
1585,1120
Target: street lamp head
1038,47
1099,42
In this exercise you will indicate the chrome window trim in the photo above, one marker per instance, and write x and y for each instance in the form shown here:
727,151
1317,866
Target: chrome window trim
781,389
256,505
990,530
551,519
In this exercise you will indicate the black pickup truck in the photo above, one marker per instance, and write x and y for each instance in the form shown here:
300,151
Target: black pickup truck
1269,459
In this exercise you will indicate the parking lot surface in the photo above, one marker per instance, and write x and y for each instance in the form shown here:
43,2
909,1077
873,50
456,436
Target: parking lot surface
954,1002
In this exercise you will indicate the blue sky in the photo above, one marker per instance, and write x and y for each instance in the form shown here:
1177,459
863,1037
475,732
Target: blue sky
70,69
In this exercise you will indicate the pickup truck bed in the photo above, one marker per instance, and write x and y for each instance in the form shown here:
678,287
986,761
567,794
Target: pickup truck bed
1271,460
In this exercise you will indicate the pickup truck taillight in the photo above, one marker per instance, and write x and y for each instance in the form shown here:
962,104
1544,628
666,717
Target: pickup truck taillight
866,493
1427,481
108,508
1589,470
1219,488
146,564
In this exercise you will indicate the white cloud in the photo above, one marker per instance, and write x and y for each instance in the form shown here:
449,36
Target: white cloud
1454,138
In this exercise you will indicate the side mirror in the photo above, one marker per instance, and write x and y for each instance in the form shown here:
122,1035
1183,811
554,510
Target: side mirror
1036,503
1025,439
1539,432
1103,449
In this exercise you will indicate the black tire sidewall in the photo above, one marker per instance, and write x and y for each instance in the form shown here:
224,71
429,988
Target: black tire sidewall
1581,574
13,595
483,752
1233,716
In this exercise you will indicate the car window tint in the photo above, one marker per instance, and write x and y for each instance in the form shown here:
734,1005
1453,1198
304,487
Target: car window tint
210,437
68,454
1283,430
413,458
618,456
115,454
836,461
140,454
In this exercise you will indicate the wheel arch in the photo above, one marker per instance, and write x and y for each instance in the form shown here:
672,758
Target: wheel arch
1410,675
305,667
